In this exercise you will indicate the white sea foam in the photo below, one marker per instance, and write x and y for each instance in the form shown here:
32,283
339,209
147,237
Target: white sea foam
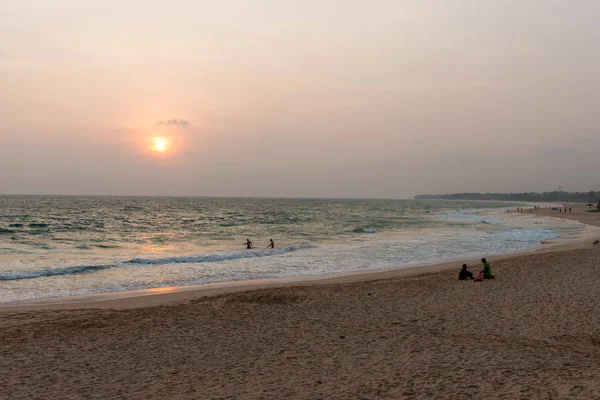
469,216
75,260
197,259
18,275
224,256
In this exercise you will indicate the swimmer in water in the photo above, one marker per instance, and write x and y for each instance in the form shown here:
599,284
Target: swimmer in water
248,244
271,245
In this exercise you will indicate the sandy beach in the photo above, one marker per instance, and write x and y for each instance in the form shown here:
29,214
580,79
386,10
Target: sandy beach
578,213
531,333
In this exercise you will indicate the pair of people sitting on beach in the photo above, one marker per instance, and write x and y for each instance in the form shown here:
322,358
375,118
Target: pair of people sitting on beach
486,273
249,244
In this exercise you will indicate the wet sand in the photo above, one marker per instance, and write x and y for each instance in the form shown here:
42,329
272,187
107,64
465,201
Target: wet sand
531,333
578,213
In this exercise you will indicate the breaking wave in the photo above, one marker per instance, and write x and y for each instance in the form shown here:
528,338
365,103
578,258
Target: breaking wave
13,276
365,230
224,256
216,257
468,216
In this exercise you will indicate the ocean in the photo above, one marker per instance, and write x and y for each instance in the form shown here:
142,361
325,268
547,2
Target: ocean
55,246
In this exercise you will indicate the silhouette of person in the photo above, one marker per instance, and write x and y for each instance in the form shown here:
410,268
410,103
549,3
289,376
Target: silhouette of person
271,245
464,273
248,244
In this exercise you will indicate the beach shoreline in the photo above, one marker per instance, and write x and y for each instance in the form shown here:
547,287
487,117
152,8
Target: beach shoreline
406,334
165,295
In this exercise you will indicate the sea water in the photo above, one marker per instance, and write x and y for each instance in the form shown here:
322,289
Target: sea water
63,246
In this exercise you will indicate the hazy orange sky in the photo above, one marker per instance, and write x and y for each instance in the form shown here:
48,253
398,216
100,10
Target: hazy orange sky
298,98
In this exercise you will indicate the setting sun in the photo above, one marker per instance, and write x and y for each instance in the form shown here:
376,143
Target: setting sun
160,145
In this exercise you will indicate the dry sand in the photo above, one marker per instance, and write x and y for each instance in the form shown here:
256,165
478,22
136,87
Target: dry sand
532,333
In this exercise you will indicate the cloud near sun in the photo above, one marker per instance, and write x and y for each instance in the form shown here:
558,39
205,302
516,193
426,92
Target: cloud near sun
180,122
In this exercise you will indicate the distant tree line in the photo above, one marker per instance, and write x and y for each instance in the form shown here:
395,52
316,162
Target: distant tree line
556,196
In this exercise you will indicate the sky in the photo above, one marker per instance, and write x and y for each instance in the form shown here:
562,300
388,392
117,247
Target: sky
328,98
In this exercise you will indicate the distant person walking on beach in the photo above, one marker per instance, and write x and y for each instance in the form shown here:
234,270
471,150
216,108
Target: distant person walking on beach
271,245
464,273
487,269
248,244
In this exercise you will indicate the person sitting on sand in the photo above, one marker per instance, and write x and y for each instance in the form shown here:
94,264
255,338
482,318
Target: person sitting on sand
479,277
464,273
271,245
487,270
248,244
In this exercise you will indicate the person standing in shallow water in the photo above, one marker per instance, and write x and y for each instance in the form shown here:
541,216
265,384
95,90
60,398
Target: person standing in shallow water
248,244
271,245
487,269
